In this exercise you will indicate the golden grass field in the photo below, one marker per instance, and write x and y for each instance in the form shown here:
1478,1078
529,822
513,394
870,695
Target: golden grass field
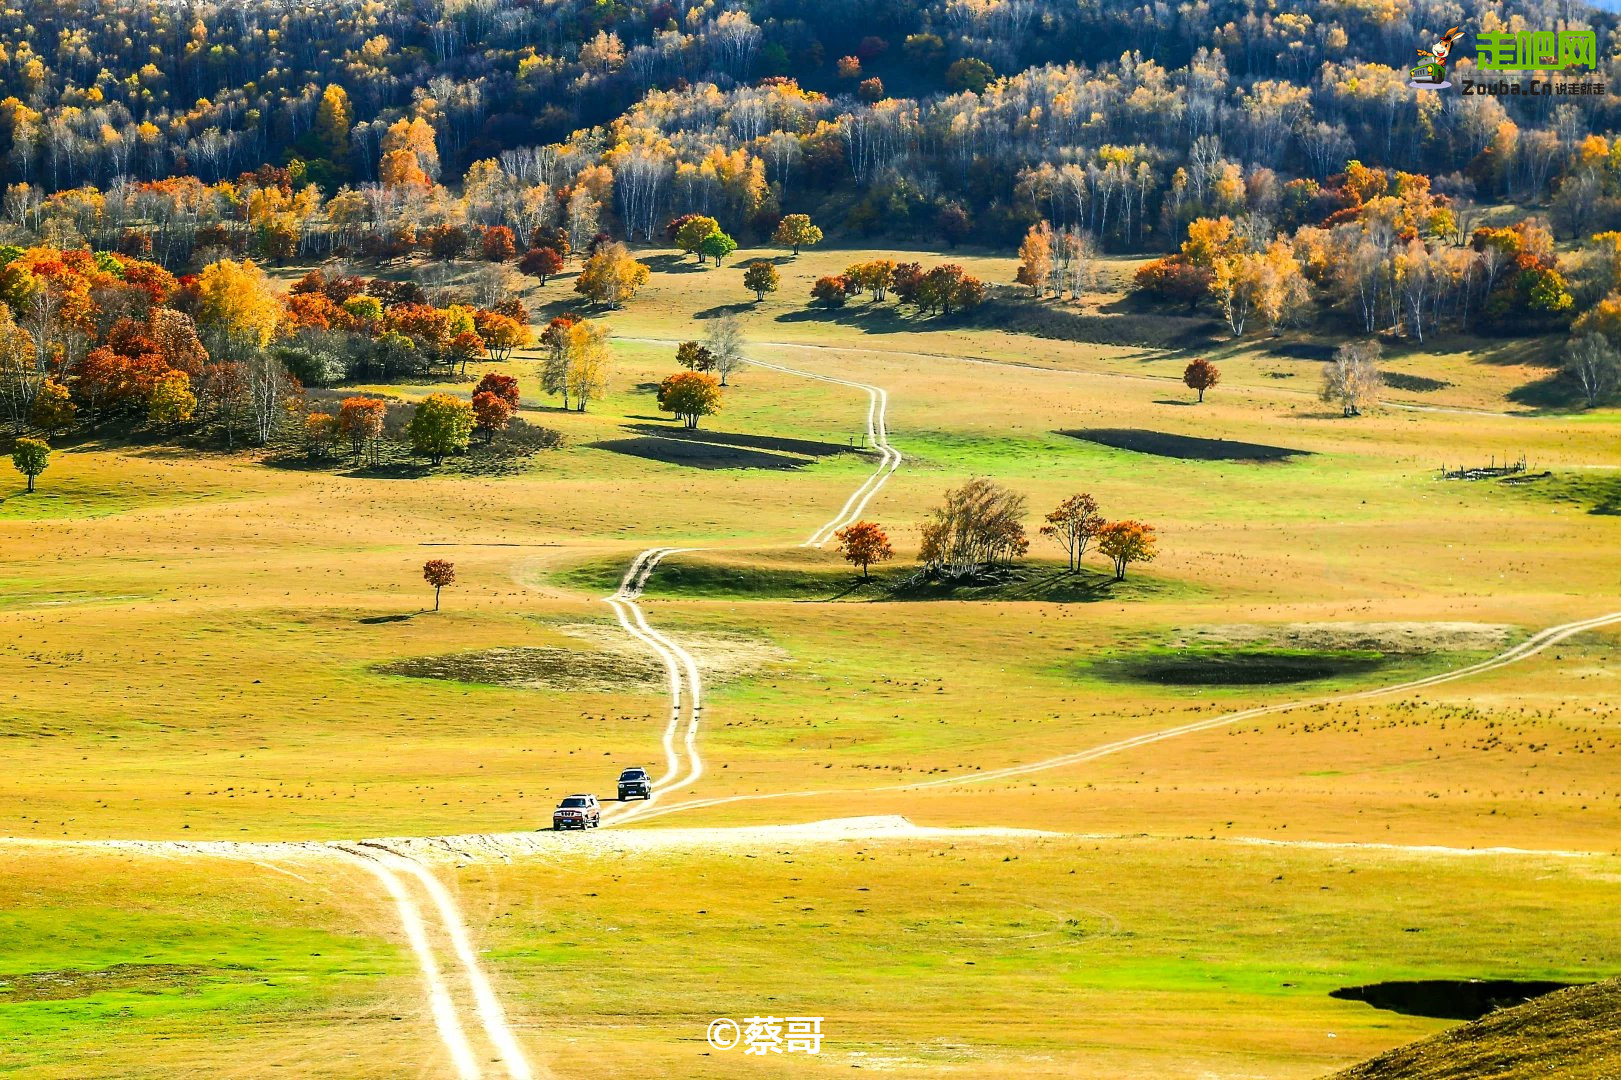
194,646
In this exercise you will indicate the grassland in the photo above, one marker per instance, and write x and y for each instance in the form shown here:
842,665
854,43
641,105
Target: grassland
206,646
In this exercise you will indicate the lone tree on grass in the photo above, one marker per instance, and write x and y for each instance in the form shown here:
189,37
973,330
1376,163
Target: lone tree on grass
760,277
796,231
1201,375
31,456
862,544
717,245
1073,524
438,573
441,425
1351,380
502,386
690,395
1127,542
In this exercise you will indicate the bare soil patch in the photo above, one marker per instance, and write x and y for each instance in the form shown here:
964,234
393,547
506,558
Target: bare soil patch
612,663
67,985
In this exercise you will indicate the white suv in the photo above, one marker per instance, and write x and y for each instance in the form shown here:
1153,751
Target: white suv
577,812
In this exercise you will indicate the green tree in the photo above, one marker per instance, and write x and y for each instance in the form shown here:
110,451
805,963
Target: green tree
969,74
30,456
796,231
690,395
717,245
693,232
761,277
441,425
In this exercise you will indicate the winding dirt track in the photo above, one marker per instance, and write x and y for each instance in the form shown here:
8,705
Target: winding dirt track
684,765
460,990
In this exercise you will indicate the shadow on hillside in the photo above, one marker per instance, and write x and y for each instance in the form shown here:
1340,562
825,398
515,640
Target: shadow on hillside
869,318
718,310
1557,392
1449,999
776,444
1186,447
375,620
674,264
695,454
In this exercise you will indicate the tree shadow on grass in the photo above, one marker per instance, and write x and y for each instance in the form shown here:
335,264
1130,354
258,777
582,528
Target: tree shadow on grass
696,454
1186,447
869,318
673,264
374,620
718,310
775,444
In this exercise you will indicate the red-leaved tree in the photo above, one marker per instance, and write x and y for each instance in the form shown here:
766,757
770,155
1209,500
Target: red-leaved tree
1201,375
438,573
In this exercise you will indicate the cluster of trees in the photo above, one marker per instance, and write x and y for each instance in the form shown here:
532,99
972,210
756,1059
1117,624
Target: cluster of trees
941,289
981,524
440,424
696,392
96,337
1383,250
589,117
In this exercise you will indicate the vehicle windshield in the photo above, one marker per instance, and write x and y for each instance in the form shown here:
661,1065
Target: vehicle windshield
633,774
575,800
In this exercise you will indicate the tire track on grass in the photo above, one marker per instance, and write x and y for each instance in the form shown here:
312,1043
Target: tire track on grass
393,870
1528,648
684,766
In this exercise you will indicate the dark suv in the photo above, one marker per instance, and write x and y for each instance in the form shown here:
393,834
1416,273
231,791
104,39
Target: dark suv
635,784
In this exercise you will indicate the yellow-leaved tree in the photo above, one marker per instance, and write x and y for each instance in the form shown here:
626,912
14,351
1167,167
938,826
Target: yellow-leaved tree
237,307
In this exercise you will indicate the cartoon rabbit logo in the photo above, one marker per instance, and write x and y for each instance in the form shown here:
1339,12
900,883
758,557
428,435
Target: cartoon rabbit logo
1431,71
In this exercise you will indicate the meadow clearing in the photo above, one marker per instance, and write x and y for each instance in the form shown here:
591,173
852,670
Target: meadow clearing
203,646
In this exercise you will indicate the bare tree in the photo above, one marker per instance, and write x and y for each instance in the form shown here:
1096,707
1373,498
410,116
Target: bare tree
1352,380
724,340
1592,360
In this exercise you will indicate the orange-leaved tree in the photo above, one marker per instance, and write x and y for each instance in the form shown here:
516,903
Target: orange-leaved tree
862,544
1073,524
361,420
438,573
690,395
1127,542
